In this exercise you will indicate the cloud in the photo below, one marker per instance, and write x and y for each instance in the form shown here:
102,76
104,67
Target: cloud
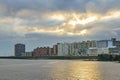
46,22
82,18
71,24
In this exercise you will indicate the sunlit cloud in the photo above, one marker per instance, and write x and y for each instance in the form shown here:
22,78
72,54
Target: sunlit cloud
82,33
84,21
58,17
111,15
73,24
59,21
24,30
6,20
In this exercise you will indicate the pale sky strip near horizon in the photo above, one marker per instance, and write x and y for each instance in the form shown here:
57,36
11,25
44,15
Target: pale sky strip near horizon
47,22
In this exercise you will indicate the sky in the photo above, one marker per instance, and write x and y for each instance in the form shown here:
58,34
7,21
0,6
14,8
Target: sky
39,23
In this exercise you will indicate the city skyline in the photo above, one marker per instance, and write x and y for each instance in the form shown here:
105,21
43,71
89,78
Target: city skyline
47,22
84,48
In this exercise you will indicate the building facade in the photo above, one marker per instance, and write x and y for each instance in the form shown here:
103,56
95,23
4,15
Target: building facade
105,47
19,49
41,51
84,48
63,49
55,49
27,54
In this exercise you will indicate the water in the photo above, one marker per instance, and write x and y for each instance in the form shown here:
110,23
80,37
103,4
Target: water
58,70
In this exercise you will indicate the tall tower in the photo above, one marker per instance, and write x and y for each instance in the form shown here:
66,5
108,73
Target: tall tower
19,49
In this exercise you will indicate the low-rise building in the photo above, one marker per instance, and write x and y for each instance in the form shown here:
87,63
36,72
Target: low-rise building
41,51
27,54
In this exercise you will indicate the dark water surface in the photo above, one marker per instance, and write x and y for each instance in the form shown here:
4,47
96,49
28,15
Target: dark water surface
58,70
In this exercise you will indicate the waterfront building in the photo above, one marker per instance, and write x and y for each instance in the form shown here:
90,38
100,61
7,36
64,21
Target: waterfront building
79,48
75,49
115,50
55,49
63,49
105,47
41,51
27,54
51,52
19,49
84,48
72,49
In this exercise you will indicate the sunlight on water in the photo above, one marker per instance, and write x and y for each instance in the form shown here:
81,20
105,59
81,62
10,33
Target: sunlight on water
76,71
58,70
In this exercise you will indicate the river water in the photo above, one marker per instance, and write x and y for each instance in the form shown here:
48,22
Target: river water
13,69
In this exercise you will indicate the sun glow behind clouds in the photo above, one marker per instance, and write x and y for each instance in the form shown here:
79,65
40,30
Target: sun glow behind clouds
82,19
71,24
85,21
58,17
111,15
82,33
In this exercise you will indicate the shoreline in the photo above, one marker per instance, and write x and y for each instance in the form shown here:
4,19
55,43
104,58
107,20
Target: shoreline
84,58
53,57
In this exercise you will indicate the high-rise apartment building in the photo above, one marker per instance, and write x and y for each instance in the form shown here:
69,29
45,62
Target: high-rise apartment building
19,49
63,49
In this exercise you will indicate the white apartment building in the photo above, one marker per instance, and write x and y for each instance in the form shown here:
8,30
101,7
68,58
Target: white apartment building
63,49
92,48
102,47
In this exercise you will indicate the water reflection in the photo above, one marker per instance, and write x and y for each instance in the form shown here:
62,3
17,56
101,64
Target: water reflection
75,70
58,70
